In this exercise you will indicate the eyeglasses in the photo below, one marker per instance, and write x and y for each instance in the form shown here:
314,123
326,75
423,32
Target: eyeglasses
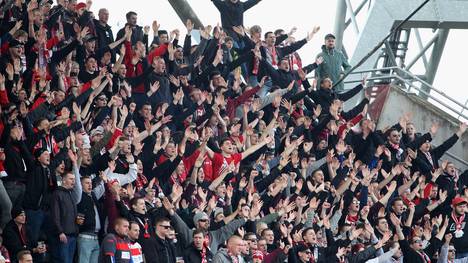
452,250
308,252
417,241
252,240
165,227
356,202
203,220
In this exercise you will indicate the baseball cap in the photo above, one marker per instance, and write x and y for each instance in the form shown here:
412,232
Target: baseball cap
98,130
329,36
458,200
80,5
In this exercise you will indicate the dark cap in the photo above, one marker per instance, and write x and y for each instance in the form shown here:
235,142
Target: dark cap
330,36
39,152
302,247
16,211
15,43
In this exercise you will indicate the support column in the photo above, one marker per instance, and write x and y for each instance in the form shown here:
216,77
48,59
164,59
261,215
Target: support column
185,11
340,20
434,61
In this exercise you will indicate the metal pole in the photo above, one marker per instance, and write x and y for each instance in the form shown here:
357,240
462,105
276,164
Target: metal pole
185,11
422,52
340,18
352,16
377,47
420,45
356,12
437,51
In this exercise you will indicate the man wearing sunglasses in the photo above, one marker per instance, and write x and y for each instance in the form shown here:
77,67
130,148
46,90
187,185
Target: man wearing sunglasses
159,248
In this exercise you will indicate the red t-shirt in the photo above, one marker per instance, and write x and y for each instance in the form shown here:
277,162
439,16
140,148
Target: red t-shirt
220,161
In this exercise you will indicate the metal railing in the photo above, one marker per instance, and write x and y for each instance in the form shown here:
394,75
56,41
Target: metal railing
410,82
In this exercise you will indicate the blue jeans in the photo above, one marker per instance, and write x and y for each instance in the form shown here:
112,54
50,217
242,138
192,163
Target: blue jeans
88,250
34,223
66,251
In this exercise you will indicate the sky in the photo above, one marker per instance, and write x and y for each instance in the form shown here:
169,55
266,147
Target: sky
303,14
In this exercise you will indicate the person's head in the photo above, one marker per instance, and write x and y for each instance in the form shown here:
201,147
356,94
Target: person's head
24,256
198,238
309,235
318,177
139,49
131,18
326,82
159,65
398,206
330,41
201,221
122,71
410,129
145,111
16,48
451,253
262,245
86,184
103,15
284,64
257,256
451,169
68,180
43,156
394,136
434,191
138,205
382,224
252,240
425,147
268,235
229,42
304,253
256,32
416,243
270,39
227,146
162,227
354,206
125,145
91,62
235,245
134,231
163,36
245,211
18,215
459,205
38,17
121,226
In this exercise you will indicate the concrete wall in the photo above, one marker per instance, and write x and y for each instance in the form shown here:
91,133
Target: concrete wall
424,113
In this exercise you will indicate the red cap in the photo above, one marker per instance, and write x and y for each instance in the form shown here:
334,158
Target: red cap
458,200
80,5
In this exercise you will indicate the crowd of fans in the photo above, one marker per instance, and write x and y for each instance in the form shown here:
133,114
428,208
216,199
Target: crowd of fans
166,150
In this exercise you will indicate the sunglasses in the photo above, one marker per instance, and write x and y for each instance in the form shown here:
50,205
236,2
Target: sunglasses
308,252
452,250
203,220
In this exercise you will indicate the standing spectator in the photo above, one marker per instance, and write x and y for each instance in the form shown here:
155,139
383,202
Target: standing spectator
15,235
137,31
89,208
103,30
135,247
232,13
159,248
115,246
457,226
65,216
198,252
334,62
232,253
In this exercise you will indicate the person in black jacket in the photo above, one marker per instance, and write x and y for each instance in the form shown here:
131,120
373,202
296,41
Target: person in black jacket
232,13
427,158
103,30
159,249
137,31
198,251
15,235
64,215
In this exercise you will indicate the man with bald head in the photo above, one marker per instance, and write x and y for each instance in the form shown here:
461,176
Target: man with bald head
233,252
103,30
